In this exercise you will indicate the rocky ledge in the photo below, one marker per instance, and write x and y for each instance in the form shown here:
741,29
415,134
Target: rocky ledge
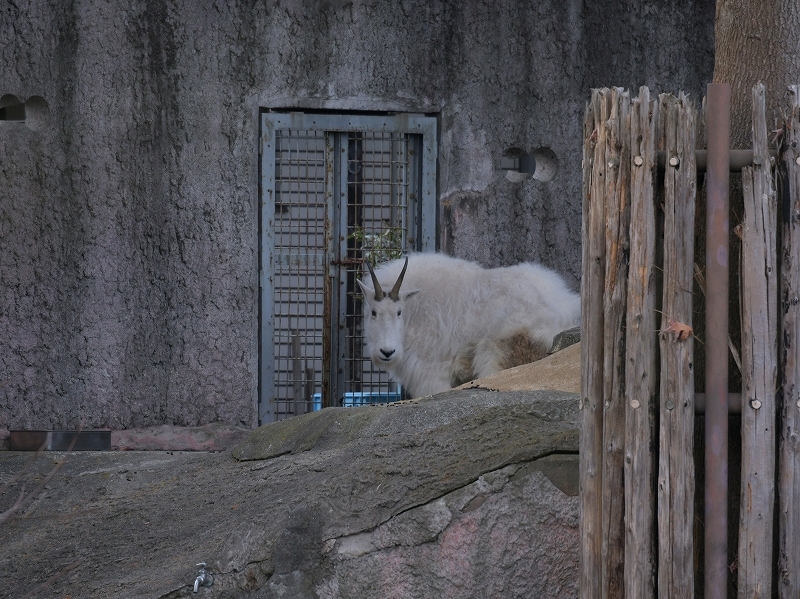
468,494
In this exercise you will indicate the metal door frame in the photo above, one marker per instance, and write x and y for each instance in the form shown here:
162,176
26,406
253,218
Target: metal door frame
340,125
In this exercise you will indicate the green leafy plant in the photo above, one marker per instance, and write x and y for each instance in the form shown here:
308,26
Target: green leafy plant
380,246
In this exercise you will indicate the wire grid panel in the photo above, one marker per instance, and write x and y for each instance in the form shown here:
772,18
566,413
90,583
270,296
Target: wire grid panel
300,251
380,227
337,191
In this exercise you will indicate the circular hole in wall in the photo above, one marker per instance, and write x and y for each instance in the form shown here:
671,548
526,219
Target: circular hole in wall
510,164
34,112
546,164
513,152
11,109
541,164
37,113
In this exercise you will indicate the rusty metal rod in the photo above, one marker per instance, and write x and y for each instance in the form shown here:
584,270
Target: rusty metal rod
718,106
734,403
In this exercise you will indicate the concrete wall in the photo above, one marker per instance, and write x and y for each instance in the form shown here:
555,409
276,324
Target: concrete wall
129,200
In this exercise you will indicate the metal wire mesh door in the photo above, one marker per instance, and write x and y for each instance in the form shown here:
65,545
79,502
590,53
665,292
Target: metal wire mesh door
337,191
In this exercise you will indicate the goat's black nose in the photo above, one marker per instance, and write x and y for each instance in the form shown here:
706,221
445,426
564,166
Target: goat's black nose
387,353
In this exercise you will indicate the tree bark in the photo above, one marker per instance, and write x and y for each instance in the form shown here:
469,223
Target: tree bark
756,40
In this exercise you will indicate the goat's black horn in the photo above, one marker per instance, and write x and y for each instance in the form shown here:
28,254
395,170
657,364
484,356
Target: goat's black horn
375,284
395,292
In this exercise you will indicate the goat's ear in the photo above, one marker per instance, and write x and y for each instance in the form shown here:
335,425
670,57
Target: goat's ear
408,294
368,292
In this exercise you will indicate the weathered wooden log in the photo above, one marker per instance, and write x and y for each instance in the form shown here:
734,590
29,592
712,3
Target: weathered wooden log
641,346
789,444
592,285
676,421
617,190
759,365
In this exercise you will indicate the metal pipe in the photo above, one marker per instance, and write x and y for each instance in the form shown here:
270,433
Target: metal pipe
734,403
737,159
718,106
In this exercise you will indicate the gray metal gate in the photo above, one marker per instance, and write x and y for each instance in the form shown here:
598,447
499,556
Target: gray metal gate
336,190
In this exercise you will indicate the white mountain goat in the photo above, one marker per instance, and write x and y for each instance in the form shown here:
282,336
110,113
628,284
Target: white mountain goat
455,321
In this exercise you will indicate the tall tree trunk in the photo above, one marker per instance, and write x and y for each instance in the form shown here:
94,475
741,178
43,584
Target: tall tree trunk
756,40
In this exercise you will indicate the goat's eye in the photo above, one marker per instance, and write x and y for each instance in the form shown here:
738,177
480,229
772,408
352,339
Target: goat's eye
374,313
399,312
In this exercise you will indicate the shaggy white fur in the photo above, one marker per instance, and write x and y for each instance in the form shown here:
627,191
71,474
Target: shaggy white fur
454,321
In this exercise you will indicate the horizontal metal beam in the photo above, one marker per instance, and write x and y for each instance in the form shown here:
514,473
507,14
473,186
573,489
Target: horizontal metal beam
737,161
734,403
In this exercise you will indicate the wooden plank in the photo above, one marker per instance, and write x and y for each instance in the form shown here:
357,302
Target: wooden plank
591,402
676,411
759,365
641,376
789,447
617,189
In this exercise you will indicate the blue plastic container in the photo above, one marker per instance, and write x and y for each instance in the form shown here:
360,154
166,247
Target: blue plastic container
354,399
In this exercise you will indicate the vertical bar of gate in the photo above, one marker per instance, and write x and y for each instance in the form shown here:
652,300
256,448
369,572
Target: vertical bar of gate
339,282
397,190
716,434
427,187
266,411
298,369
330,307
412,155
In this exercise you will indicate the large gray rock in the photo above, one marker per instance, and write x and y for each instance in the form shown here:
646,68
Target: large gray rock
471,494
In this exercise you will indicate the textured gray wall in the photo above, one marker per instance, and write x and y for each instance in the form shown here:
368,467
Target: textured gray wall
129,203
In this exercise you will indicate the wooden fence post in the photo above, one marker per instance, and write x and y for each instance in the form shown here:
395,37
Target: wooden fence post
789,447
676,465
642,350
617,181
591,402
623,502
759,361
